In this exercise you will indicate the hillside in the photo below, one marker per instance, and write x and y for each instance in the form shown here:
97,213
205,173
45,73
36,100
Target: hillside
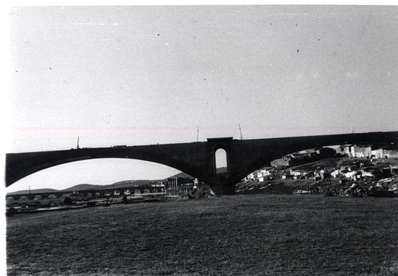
337,162
288,186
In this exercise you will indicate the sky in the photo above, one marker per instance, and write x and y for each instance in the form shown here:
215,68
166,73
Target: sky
140,75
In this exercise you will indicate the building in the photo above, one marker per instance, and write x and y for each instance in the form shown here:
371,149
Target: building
364,151
390,152
345,150
177,185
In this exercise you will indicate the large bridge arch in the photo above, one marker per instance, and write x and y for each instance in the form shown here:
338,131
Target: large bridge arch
99,171
196,159
20,165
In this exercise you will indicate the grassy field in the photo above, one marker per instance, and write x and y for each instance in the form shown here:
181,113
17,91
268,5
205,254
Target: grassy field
229,235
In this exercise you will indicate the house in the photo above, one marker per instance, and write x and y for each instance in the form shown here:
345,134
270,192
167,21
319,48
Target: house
345,150
377,153
348,168
293,159
366,173
334,173
390,152
288,159
296,174
267,171
293,173
362,151
348,174
251,177
175,185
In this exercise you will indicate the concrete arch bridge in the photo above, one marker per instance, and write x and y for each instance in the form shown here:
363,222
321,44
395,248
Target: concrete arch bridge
197,159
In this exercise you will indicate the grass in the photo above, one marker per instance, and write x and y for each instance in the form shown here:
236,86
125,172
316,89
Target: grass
229,235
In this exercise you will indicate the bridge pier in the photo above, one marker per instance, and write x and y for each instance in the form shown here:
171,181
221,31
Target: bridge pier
220,187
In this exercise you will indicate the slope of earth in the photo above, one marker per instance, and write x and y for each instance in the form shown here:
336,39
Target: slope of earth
229,235
288,186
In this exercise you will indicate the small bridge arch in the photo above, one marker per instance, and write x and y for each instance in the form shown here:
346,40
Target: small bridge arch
217,145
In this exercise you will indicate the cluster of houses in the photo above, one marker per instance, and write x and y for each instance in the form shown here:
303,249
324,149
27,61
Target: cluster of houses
280,168
359,151
352,172
367,151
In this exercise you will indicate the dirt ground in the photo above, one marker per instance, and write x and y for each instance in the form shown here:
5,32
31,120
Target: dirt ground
229,235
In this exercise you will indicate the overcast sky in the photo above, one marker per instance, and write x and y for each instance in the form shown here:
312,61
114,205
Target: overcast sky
137,75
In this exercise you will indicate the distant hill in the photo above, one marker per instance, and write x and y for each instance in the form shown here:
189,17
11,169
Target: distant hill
127,183
44,190
181,174
80,187
119,184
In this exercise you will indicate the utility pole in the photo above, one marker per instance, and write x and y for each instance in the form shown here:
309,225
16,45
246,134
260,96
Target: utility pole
77,142
240,130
